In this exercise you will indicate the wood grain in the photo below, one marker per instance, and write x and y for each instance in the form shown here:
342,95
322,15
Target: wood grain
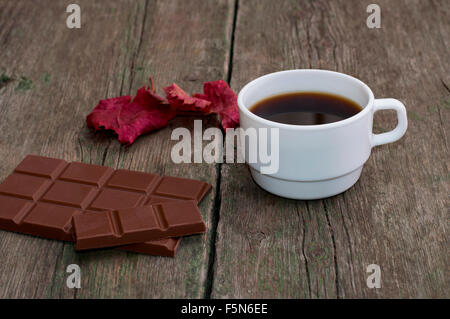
396,215
259,245
119,45
47,117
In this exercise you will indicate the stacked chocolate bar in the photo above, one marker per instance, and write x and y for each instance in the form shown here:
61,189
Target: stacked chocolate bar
98,207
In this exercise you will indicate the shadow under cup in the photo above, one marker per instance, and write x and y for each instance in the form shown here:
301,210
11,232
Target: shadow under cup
315,161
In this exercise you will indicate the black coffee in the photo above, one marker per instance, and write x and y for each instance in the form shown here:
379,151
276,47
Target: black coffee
305,108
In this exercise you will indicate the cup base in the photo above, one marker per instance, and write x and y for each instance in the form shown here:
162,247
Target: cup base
306,190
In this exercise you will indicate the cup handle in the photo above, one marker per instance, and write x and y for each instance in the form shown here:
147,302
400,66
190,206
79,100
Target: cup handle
399,131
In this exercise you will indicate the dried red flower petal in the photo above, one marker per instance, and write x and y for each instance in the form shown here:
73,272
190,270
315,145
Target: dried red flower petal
148,111
223,102
105,114
183,102
129,119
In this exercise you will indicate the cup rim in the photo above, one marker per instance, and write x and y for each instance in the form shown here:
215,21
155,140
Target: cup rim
363,112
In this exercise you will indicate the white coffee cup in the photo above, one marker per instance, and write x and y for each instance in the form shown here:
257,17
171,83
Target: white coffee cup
317,161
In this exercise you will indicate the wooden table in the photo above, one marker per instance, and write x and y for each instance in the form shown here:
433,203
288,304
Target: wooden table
257,244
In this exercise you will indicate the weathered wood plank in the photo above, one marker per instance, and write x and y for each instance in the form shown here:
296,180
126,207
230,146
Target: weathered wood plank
66,72
119,45
169,54
396,215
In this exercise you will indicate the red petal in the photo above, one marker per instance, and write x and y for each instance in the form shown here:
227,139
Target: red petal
230,118
146,97
223,101
105,114
129,119
183,102
148,111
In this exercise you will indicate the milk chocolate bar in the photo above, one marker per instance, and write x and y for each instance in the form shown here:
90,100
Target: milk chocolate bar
164,247
43,194
135,225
